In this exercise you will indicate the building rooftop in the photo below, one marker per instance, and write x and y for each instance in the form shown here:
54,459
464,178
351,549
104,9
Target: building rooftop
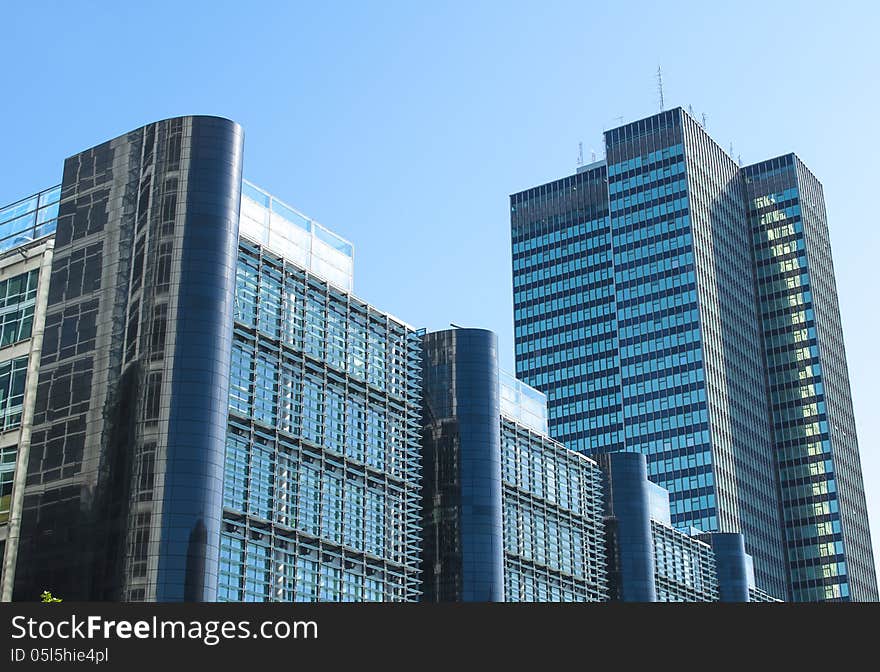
281,228
29,218
523,403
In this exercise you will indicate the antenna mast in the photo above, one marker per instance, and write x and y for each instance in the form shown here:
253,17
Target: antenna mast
660,87
580,154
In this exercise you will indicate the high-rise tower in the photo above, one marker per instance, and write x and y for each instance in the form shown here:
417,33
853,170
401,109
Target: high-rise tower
638,311
828,542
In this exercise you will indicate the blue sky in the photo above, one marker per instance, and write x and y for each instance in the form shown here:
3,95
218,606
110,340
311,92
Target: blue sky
404,126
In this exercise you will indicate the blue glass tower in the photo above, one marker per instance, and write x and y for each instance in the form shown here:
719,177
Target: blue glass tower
828,542
638,313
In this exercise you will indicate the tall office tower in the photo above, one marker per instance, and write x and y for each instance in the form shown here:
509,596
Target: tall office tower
179,357
814,433
636,311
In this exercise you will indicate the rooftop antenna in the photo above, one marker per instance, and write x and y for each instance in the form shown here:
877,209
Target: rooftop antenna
593,155
691,110
704,121
660,87
739,160
580,153
731,149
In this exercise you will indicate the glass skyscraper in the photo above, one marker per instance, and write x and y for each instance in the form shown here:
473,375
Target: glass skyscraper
827,537
637,311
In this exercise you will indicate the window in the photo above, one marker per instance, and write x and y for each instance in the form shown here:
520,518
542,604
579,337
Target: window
12,378
17,298
240,378
154,393
18,289
5,494
16,325
157,331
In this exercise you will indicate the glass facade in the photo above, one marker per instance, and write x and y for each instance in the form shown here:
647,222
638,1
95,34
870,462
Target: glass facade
630,504
684,568
554,532
826,525
564,319
461,461
649,560
122,498
523,403
18,296
29,219
508,512
736,575
635,314
322,474
12,375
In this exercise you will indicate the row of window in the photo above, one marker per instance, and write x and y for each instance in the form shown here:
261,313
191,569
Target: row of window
684,568
582,230
321,499
523,583
574,250
570,277
642,128
18,289
549,537
649,198
642,178
280,302
295,400
253,571
534,466
12,379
